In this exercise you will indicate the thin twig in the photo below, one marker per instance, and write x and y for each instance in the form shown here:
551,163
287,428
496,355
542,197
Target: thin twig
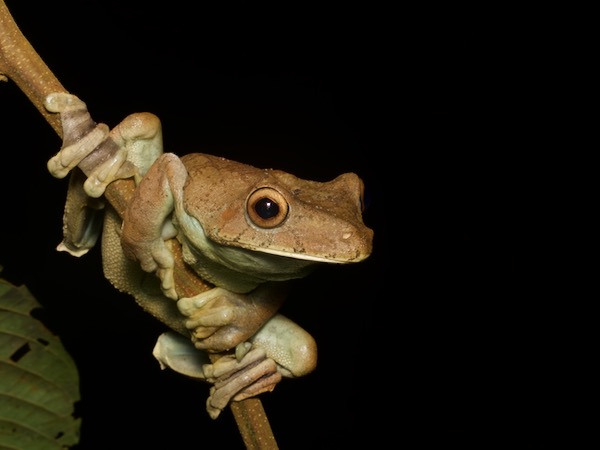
20,63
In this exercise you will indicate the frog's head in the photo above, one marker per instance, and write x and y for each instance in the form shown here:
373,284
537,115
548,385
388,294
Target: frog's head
276,213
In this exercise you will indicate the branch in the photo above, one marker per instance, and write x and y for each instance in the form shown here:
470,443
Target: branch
21,63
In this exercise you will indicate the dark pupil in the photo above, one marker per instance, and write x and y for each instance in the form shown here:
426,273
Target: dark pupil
266,208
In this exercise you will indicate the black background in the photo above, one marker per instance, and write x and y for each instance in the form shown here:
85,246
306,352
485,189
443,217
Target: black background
457,331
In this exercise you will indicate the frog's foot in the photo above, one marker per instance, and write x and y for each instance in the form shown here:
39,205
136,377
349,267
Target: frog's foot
236,377
154,257
82,219
114,167
167,282
176,352
82,137
131,148
219,319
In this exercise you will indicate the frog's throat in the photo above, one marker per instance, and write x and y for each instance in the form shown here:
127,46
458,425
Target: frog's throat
235,268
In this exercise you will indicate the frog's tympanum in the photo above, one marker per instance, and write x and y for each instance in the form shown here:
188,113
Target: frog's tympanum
243,230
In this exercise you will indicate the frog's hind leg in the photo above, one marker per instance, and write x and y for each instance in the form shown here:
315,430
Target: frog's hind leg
82,218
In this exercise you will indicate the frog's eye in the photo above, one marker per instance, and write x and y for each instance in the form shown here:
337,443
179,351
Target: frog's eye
267,208
365,197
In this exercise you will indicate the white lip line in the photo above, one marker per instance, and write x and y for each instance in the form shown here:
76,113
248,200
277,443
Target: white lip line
299,256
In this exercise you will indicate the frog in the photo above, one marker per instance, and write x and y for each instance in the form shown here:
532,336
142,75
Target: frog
245,231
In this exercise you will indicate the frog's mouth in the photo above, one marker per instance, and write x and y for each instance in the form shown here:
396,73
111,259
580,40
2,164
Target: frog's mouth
301,256
346,246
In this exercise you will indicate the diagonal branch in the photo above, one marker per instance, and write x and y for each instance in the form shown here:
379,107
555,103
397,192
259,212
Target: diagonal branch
20,63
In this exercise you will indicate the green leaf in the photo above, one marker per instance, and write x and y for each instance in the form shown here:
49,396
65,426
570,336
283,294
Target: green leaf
39,382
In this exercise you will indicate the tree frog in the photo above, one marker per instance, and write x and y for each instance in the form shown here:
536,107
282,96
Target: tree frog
243,230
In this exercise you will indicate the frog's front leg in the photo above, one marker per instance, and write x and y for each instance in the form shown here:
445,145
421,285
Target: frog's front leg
147,224
81,135
127,150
